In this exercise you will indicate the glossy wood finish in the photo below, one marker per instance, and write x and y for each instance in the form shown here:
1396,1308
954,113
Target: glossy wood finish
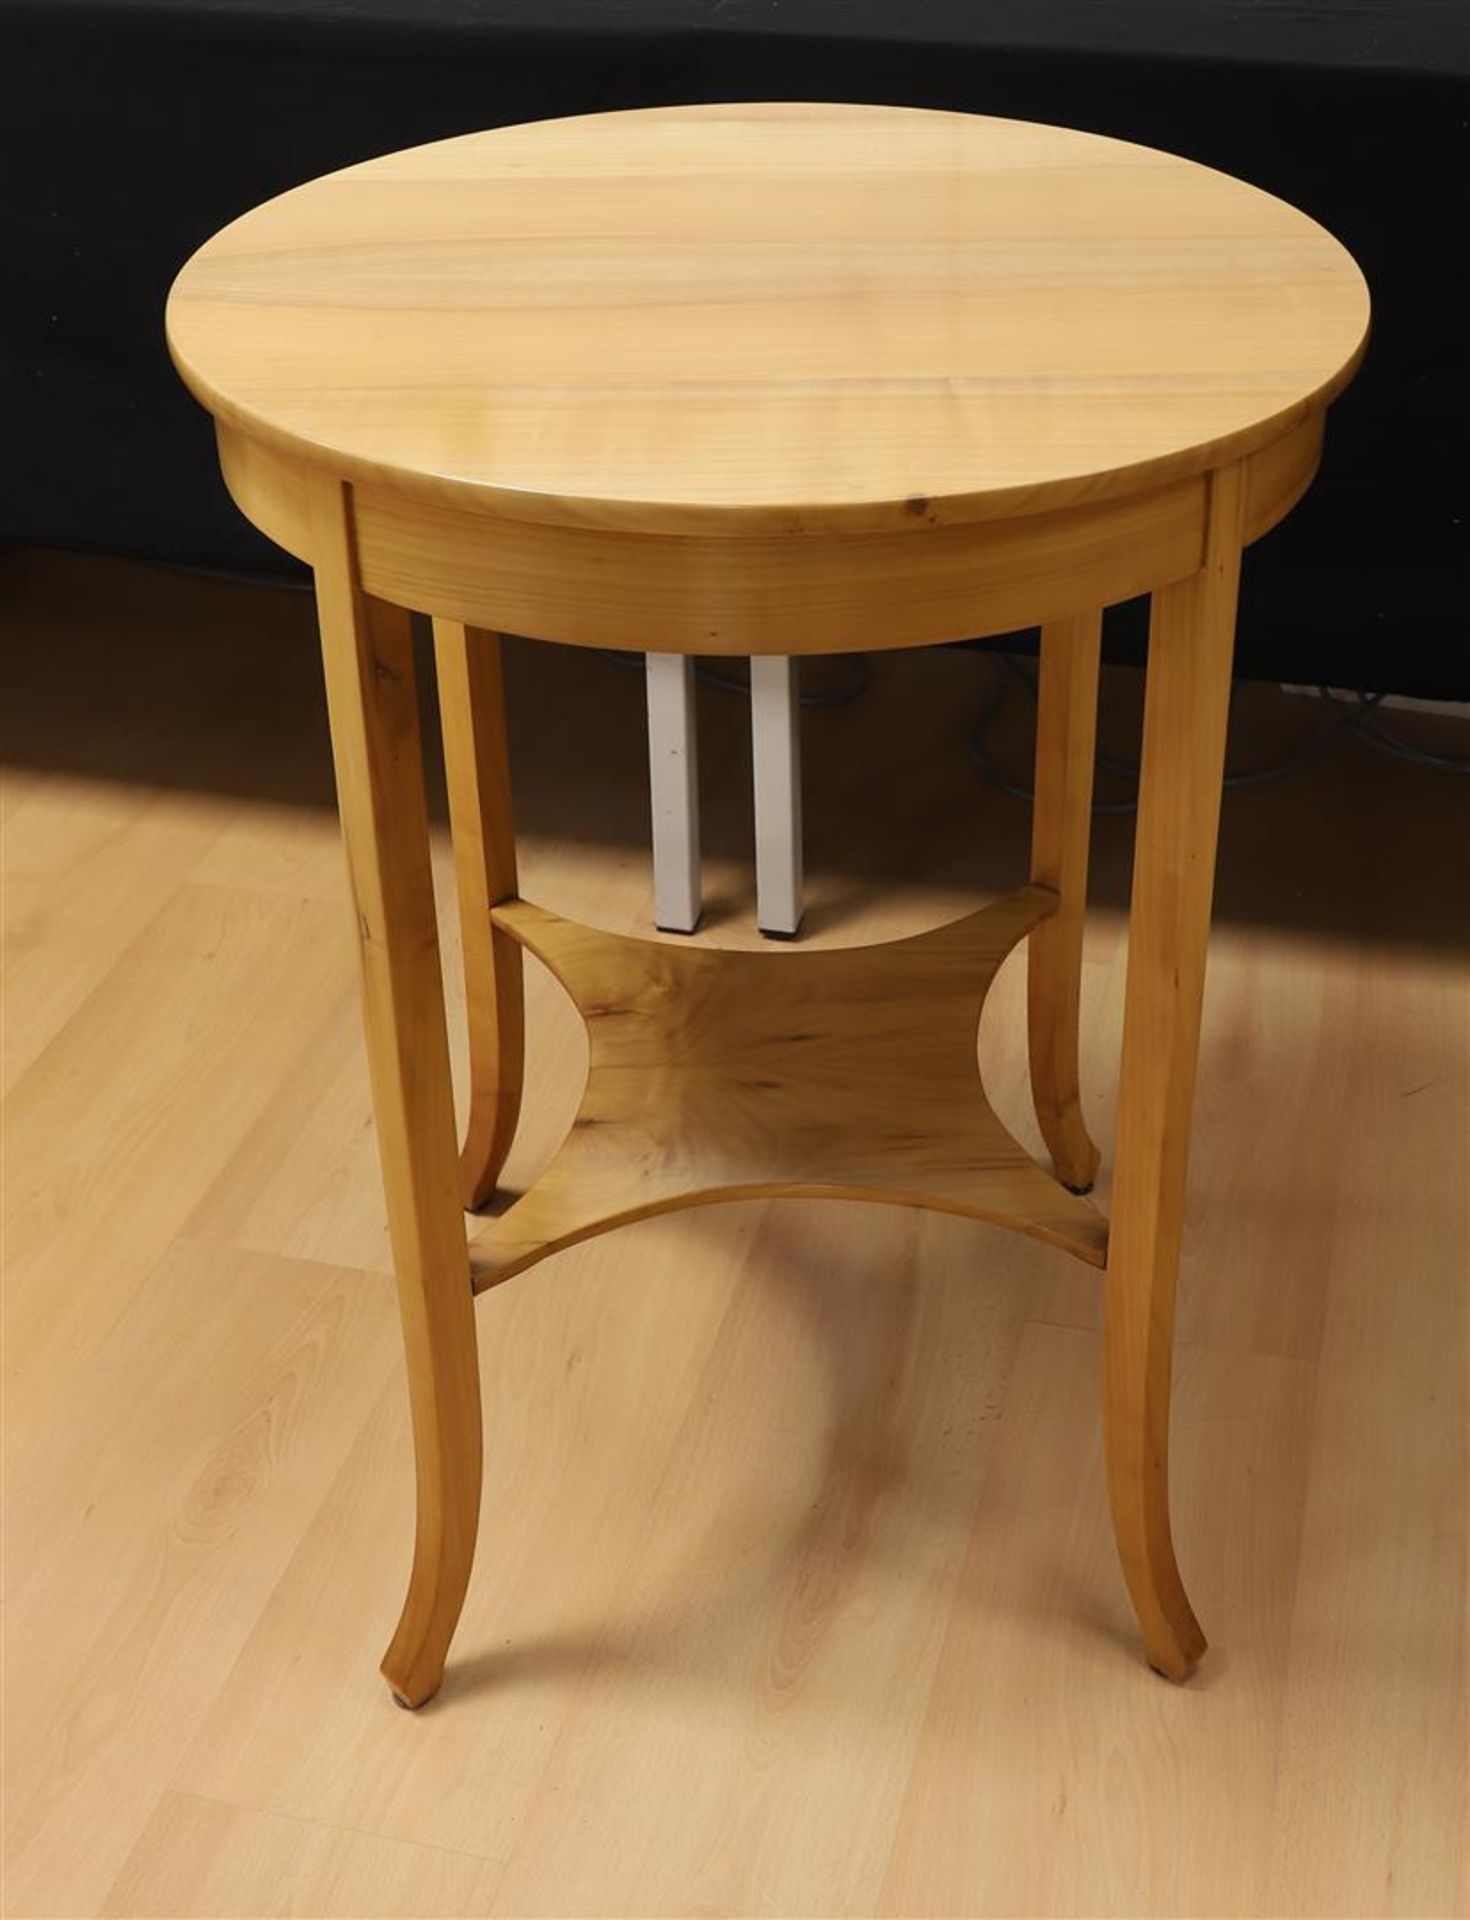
750,596
368,655
773,593
758,320
836,1075
777,380
269,488
796,1590
766,596
1191,645
1061,828
477,774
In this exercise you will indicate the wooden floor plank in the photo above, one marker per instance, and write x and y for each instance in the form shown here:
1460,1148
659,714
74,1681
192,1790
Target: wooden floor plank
148,1529
136,1104
588,1386
787,1599
1374,1783
1053,1777
197,1856
796,1592
86,870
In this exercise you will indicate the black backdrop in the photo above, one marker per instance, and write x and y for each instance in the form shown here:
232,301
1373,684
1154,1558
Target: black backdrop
134,128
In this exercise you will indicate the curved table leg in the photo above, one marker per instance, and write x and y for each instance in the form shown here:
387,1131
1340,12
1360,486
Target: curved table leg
1191,643
368,655
1061,827
477,771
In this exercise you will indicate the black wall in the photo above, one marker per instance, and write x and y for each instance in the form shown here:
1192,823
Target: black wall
133,128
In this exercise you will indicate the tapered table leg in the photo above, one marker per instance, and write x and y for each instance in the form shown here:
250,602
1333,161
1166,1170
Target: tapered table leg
368,655
1061,829
477,771
1186,706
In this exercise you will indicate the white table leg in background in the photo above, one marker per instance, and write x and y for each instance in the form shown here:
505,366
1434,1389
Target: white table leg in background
775,729
673,774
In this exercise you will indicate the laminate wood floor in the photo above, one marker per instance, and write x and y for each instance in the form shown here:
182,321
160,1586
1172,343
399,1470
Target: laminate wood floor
795,1592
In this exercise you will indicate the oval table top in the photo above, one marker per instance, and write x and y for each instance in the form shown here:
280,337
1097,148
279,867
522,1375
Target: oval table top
770,318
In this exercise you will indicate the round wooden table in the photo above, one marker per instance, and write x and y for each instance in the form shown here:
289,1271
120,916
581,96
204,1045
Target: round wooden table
771,380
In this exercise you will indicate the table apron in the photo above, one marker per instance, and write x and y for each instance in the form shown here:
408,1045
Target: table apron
793,594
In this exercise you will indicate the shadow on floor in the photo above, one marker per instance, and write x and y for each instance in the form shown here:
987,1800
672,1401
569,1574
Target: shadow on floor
123,672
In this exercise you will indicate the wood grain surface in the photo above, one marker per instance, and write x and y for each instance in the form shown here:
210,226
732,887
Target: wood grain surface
796,1589
830,1075
759,319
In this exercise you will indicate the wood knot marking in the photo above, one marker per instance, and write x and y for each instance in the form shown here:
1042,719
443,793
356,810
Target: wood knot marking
917,504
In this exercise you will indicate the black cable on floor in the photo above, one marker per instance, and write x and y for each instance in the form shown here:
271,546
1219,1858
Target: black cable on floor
1343,721
860,664
1373,731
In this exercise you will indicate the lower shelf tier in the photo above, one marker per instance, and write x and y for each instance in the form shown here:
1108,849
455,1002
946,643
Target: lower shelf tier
839,1073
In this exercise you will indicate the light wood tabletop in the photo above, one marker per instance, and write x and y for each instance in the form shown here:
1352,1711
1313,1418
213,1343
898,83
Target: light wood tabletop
770,318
